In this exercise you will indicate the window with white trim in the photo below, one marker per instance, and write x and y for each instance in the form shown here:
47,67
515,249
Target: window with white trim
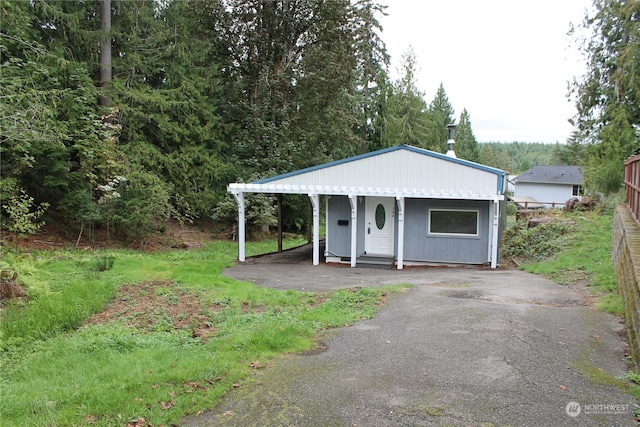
454,222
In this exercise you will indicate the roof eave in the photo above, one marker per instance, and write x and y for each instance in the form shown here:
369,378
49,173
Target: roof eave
237,188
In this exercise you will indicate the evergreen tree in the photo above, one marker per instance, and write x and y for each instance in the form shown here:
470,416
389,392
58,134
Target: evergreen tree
370,80
608,95
491,154
292,62
55,146
325,95
61,147
405,118
516,157
571,153
466,146
166,86
440,114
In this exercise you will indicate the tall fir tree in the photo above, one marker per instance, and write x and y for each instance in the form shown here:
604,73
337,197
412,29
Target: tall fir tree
571,153
166,86
370,79
608,94
405,115
440,115
292,62
47,58
466,146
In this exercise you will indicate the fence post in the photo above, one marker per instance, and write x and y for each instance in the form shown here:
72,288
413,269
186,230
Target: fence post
632,184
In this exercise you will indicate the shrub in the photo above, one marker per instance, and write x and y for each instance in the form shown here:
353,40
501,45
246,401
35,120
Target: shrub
139,205
535,243
22,217
260,210
104,263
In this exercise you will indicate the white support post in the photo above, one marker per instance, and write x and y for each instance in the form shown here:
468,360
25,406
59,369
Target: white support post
400,251
239,196
315,202
326,221
494,233
353,200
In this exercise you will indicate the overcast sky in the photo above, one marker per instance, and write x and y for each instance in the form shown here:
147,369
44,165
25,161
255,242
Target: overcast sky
506,61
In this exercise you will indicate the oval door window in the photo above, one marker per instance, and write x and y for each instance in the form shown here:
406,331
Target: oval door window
380,217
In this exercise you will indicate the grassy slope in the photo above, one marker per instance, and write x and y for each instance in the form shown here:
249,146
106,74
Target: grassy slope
59,371
584,257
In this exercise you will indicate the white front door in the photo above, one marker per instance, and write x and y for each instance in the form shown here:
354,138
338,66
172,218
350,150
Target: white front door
379,222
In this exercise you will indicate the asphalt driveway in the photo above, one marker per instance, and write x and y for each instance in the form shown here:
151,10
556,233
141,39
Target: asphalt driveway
463,347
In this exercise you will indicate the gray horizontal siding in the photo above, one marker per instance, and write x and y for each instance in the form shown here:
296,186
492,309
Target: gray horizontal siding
339,236
418,245
454,249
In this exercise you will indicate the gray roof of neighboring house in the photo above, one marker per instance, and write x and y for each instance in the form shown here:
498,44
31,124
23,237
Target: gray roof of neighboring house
552,175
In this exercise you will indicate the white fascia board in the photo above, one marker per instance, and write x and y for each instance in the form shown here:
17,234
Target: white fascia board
416,193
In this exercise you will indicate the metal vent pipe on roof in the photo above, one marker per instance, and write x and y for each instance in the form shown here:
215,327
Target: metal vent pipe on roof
451,141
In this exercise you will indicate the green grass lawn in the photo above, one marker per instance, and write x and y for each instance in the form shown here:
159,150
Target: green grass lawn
180,335
179,338
583,256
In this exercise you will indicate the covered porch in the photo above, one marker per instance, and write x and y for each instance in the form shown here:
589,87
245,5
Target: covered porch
238,190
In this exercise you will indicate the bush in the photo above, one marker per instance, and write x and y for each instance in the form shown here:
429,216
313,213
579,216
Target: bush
535,243
104,263
139,205
22,217
259,210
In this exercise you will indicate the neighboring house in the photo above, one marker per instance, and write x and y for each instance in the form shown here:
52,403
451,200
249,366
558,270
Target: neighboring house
403,204
549,185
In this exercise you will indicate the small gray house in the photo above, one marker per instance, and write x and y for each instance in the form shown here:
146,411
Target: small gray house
549,185
403,203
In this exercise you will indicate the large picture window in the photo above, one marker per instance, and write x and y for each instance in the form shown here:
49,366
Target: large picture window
453,222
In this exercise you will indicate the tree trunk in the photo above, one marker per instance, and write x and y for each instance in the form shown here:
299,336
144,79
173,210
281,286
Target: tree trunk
105,51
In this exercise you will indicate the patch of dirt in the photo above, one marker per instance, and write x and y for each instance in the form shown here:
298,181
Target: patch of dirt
173,236
578,281
9,287
159,306
176,236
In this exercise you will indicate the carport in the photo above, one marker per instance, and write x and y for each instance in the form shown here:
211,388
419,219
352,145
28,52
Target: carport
405,203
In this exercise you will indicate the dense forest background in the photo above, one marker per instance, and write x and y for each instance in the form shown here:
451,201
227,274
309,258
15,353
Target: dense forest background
117,115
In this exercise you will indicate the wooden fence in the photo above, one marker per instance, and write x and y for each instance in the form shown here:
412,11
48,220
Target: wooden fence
632,185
